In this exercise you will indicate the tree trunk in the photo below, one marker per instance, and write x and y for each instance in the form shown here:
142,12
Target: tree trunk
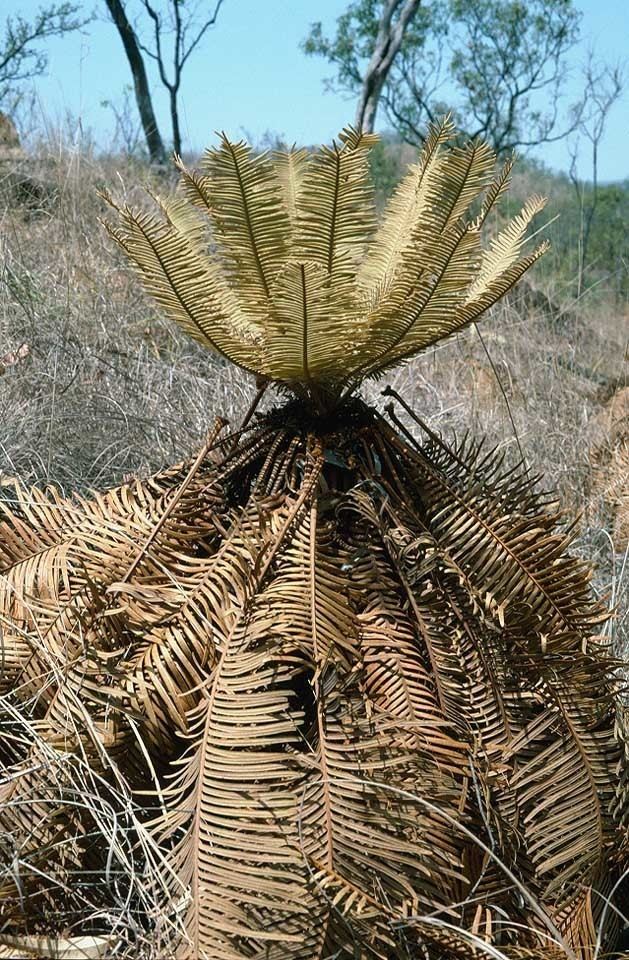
174,116
388,42
154,140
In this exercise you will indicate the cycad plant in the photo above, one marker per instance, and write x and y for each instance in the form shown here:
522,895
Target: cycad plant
353,676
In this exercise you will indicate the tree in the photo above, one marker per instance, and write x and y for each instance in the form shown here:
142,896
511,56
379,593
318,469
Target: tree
21,56
603,86
154,141
361,670
393,24
185,24
505,56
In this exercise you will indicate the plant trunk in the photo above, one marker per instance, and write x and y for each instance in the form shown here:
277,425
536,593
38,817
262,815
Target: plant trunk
153,137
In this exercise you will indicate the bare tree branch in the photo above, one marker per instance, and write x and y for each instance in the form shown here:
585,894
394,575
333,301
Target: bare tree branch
20,57
183,24
132,49
603,86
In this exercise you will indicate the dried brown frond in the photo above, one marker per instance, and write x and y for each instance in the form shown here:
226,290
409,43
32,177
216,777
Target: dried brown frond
324,690
368,683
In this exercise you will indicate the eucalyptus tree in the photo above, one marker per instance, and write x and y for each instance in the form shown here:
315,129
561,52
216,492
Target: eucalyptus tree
499,65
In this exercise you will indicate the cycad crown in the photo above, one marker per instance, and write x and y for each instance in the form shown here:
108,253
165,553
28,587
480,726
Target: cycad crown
356,672
297,285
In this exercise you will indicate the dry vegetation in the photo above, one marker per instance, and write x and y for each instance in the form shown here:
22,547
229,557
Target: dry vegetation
96,385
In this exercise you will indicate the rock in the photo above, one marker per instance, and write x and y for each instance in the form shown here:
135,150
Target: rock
22,183
10,146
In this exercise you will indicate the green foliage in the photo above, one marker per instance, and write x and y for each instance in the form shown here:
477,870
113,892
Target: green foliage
356,31
610,234
504,54
608,251
607,265
387,168
301,287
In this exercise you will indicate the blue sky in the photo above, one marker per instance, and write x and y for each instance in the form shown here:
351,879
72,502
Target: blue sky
251,76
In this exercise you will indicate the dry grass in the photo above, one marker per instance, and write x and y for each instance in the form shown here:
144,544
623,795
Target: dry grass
106,387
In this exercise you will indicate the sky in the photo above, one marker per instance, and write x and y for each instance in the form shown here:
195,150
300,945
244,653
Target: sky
251,78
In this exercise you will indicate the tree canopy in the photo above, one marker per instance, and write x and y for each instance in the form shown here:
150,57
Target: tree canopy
498,65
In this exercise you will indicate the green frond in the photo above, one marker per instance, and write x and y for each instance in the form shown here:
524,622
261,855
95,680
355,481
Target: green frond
400,328
186,221
449,181
194,186
276,263
466,172
496,190
250,221
187,287
336,207
309,331
505,249
291,167
497,288
404,210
